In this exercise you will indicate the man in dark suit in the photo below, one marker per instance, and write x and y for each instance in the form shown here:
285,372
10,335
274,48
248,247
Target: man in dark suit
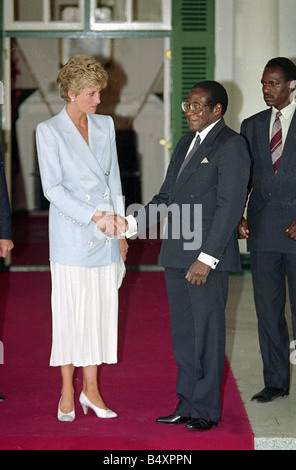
271,221
204,201
6,244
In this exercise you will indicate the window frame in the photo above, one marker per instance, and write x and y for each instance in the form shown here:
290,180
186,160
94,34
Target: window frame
46,24
87,16
131,25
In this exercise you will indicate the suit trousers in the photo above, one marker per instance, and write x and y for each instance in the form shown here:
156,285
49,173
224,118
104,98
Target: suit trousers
198,338
270,271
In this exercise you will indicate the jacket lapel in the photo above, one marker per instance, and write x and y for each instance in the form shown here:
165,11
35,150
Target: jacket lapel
287,163
97,141
89,154
264,140
202,152
182,152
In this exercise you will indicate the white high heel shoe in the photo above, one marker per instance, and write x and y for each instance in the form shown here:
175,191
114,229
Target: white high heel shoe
86,403
65,417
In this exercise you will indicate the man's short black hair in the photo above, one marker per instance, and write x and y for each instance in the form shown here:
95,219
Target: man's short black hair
287,66
216,93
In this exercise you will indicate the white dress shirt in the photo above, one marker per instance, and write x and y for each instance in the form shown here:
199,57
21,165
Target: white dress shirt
285,118
287,114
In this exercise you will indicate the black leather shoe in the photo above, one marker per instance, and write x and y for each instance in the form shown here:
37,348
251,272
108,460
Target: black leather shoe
1,397
270,393
172,419
199,424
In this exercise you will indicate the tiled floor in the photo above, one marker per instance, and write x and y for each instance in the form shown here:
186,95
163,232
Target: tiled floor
273,424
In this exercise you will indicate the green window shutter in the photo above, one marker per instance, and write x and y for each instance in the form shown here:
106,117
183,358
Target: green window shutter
193,53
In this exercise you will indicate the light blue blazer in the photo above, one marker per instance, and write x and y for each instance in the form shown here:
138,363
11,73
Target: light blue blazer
77,179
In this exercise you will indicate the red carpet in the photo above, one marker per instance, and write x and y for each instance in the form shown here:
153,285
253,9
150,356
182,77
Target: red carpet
140,387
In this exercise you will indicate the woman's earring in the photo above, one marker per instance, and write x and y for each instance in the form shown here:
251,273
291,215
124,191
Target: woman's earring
72,100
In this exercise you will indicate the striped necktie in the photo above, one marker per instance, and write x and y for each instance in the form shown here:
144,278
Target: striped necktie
190,154
276,142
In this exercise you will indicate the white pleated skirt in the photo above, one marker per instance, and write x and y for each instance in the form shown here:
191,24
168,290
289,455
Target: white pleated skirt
84,314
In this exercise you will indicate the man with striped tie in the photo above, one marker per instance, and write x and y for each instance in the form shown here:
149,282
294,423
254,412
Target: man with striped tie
270,227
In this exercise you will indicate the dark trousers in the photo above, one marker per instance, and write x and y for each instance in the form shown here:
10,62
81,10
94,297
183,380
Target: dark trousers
198,339
269,272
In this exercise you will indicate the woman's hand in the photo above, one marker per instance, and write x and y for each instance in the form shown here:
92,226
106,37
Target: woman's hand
123,246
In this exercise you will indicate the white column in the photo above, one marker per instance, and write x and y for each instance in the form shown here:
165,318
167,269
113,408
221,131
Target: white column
256,40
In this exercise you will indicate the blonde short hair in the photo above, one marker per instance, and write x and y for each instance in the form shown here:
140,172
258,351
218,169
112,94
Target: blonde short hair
81,72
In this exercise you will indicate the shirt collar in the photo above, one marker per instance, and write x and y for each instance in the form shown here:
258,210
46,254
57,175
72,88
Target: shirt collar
205,131
287,111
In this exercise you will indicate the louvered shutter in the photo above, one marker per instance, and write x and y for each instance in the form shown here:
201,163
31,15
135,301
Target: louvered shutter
193,53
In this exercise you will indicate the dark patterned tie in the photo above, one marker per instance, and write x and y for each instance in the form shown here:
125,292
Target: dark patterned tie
190,154
276,142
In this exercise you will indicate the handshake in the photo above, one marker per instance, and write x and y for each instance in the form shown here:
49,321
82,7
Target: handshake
110,224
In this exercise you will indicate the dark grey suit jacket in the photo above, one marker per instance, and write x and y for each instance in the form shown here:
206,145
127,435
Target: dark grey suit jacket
215,178
272,204
5,216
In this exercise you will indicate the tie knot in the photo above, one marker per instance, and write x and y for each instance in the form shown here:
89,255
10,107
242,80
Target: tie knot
278,114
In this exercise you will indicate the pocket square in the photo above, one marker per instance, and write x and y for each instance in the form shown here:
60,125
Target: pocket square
205,160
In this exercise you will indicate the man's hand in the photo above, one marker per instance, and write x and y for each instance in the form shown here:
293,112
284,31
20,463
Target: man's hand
291,230
5,247
198,273
242,229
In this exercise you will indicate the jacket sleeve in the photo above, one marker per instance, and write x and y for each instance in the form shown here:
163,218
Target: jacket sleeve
5,214
245,133
233,177
52,179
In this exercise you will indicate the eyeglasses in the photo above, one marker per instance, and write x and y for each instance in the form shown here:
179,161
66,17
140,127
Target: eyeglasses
194,107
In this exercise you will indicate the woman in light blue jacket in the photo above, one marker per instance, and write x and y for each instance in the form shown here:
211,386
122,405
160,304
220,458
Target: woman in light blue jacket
80,177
